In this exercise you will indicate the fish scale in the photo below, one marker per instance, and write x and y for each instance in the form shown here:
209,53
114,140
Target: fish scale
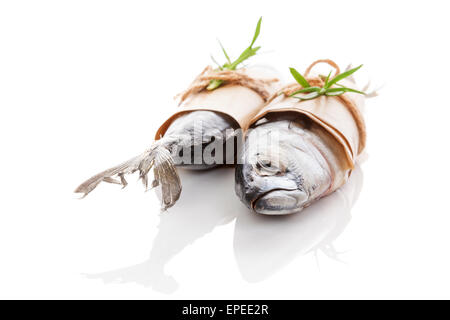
181,134
305,155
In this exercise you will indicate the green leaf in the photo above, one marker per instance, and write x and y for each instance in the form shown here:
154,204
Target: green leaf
327,79
224,52
308,96
246,54
299,78
334,93
306,90
341,76
249,52
258,29
355,91
345,89
218,65
214,84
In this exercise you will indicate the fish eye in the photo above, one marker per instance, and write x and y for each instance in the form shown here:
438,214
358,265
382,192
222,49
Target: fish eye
265,163
267,167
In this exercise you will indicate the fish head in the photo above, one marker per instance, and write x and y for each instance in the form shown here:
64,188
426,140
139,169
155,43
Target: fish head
281,171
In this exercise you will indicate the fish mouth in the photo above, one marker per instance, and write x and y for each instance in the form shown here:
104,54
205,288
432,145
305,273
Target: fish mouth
280,202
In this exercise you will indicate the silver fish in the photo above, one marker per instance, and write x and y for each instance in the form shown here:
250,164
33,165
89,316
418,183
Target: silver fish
197,129
288,163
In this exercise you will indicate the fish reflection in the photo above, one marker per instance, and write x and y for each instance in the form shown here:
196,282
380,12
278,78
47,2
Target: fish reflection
264,244
204,205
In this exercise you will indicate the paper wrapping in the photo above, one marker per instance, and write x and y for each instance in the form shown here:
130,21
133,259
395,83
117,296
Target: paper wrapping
239,103
332,114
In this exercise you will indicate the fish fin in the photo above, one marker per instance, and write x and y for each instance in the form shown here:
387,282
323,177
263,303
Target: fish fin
112,180
165,174
129,166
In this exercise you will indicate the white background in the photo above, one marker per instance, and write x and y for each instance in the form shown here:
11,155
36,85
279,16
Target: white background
85,84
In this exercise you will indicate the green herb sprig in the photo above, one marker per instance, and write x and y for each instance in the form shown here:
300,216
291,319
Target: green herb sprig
314,92
229,65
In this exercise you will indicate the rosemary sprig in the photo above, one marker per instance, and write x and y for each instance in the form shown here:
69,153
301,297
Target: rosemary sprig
314,92
232,65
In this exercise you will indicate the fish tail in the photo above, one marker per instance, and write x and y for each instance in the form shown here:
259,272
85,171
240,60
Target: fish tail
157,157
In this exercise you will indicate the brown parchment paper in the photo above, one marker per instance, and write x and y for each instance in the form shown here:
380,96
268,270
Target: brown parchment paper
237,102
332,113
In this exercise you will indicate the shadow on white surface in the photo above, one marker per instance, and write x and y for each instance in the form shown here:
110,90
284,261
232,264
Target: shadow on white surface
262,244
207,201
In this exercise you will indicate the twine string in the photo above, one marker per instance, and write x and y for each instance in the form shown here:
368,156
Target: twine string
356,113
234,77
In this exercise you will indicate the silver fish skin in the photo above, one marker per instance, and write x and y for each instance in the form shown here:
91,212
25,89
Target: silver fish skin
191,130
288,163
197,129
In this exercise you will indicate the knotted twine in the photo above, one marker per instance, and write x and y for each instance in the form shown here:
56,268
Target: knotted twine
235,77
356,113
